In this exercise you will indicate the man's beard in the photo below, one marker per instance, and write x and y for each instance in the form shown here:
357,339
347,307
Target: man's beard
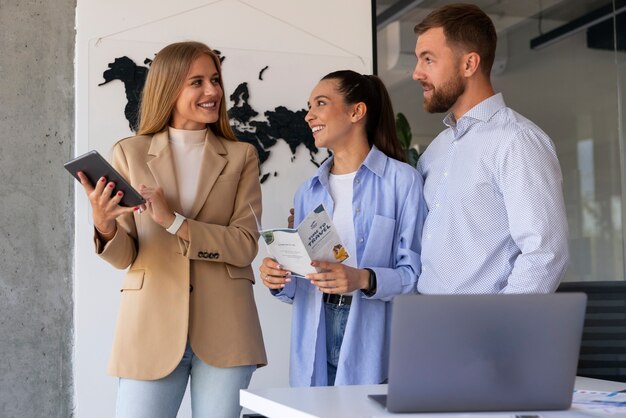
444,97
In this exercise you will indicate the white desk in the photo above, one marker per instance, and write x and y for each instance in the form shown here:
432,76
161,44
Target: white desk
352,402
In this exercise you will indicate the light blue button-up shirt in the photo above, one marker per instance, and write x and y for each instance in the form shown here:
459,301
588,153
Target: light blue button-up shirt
388,213
496,221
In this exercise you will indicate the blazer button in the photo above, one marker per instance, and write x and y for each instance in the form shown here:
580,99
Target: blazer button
190,288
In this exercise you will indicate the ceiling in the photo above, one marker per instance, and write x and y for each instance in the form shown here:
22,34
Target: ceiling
504,13
396,19
512,19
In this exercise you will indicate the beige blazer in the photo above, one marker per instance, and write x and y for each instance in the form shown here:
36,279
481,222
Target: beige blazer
199,289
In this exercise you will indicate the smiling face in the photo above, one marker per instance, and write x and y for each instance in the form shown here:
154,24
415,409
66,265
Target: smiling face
198,102
438,69
329,117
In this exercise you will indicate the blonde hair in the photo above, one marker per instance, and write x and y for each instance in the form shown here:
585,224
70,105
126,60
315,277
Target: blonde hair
164,83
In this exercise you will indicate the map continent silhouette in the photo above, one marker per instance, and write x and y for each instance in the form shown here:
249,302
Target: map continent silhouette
281,123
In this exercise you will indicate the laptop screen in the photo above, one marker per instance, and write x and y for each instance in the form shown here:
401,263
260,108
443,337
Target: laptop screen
484,352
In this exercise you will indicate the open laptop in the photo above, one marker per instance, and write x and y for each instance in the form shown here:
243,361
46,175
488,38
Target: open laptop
453,353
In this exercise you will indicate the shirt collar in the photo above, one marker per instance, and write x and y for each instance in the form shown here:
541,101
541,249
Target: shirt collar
483,111
375,162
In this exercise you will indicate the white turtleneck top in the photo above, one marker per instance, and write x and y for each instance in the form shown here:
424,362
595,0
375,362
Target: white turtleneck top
187,147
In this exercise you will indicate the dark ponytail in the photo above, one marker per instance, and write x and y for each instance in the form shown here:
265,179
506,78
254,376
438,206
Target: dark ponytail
380,126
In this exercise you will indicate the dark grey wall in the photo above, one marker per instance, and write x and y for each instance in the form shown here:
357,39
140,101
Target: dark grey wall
36,207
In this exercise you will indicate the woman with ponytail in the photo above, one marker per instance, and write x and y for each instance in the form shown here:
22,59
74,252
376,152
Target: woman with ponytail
341,317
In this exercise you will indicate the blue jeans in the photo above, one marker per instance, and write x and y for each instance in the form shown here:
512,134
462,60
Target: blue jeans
336,318
214,391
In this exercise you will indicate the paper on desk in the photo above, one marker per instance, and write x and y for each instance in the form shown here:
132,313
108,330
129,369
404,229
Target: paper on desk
599,401
543,414
459,415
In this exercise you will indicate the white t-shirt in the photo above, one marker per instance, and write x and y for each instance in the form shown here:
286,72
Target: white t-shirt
341,192
187,147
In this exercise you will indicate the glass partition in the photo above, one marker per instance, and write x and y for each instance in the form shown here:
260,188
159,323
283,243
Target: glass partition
571,83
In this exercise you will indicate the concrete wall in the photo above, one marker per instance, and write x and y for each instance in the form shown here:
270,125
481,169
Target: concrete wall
36,207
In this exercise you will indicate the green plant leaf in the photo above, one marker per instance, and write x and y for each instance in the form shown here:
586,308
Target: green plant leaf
412,156
403,130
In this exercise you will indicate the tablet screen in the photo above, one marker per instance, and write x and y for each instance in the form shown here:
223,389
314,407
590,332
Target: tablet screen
95,166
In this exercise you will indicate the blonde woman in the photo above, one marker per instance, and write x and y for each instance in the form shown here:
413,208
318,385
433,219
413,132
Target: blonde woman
187,308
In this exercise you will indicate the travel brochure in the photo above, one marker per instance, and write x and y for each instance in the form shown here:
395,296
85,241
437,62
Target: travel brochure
316,238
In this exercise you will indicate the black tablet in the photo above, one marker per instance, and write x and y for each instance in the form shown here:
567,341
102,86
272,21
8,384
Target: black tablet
94,166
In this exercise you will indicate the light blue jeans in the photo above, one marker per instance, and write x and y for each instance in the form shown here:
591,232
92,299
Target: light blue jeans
214,391
336,317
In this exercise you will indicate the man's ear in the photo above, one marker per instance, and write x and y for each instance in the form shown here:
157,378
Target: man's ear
470,62
358,111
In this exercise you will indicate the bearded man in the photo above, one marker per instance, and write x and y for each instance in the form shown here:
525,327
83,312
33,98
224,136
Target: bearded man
496,221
